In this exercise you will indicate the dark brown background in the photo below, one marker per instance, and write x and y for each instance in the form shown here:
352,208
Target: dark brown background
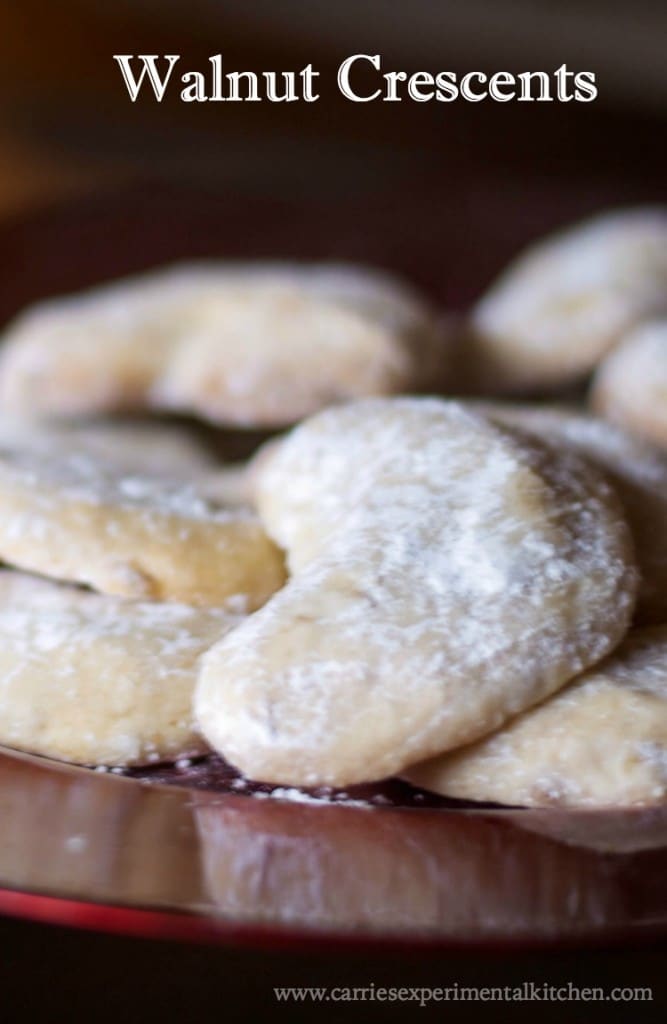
462,184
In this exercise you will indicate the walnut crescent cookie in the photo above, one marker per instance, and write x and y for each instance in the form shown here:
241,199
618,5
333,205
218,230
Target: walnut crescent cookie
159,448
96,680
138,447
600,742
568,300
446,574
66,515
637,471
630,386
252,345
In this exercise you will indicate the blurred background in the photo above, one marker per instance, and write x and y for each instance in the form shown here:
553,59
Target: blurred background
447,191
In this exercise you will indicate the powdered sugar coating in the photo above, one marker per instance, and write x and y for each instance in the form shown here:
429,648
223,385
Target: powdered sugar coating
637,472
567,300
446,574
602,741
67,514
95,680
630,386
134,447
257,344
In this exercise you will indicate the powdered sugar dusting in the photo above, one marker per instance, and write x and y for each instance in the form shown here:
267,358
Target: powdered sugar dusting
71,516
256,343
602,741
636,470
446,574
93,679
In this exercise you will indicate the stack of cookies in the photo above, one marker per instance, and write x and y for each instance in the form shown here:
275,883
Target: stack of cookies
471,594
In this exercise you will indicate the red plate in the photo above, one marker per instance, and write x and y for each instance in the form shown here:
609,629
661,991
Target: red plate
191,852
121,854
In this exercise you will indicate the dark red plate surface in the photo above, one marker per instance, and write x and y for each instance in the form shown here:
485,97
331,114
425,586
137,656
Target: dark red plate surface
101,850
192,852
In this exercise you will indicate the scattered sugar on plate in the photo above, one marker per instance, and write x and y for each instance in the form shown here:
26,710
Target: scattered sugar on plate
298,796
